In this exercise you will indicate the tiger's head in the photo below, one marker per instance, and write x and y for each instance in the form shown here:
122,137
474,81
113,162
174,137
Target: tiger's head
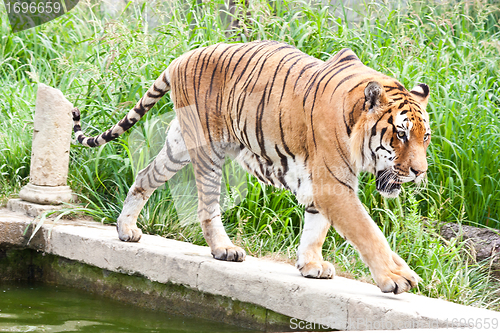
392,134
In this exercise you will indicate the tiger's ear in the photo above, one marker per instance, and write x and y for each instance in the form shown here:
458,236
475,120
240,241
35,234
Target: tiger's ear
421,94
375,95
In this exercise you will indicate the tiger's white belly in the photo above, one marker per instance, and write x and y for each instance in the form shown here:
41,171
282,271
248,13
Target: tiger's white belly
293,176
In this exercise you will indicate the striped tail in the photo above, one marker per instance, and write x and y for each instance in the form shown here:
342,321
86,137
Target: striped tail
159,88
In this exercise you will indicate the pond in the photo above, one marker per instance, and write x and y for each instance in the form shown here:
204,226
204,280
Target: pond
44,308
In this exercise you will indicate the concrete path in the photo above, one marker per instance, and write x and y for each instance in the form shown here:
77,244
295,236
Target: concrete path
340,303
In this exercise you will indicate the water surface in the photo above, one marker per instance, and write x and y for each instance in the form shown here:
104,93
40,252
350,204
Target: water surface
41,308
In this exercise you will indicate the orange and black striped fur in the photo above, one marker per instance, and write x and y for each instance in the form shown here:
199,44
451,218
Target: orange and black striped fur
292,121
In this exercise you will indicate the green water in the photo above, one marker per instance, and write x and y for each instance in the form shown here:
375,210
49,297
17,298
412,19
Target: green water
40,308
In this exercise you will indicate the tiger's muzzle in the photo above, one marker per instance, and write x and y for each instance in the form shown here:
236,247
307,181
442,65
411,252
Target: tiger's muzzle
388,183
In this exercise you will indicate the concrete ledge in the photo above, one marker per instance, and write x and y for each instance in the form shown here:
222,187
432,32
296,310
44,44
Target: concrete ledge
29,208
340,304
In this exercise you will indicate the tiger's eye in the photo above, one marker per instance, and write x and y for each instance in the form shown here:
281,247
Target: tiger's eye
401,134
426,137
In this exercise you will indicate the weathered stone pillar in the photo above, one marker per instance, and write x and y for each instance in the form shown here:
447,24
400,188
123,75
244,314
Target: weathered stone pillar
50,149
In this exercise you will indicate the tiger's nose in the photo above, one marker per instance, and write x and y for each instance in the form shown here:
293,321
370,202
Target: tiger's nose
416,172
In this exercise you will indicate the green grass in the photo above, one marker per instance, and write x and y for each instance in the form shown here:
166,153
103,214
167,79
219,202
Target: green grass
104,65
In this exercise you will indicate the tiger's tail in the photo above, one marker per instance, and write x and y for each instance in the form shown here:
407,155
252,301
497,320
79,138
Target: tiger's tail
159,88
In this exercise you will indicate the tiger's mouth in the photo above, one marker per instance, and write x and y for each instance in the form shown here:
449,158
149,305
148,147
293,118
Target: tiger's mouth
388,183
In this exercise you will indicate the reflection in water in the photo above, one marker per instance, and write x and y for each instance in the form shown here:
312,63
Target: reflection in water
38,308
69,326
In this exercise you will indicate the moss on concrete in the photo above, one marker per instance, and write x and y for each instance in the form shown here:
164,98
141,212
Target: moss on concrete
17,265
26,264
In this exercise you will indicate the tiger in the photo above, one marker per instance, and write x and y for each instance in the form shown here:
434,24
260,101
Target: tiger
292,121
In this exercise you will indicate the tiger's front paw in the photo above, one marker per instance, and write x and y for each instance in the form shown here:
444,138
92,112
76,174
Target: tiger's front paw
230,253
318,270
397,277
129,233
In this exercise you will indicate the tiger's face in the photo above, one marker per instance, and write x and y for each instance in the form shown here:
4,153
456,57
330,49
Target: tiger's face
396,136
400,155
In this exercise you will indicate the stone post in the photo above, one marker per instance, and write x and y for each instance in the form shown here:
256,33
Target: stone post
50,149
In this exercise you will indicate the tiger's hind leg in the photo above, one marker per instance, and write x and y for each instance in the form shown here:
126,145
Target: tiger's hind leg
207,163
173,157
309,258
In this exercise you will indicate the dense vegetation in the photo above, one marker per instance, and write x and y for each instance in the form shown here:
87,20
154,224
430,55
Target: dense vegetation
103,64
